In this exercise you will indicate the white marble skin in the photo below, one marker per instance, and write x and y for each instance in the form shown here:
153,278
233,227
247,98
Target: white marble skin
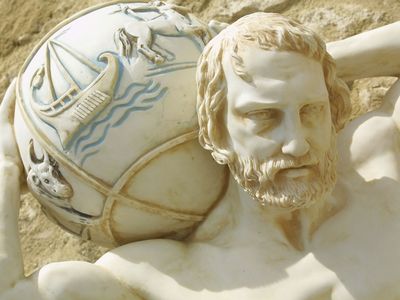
343,247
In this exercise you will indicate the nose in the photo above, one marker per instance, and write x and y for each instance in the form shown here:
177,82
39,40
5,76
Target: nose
295,143
296,147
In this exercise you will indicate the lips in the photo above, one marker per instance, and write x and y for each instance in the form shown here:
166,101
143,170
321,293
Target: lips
296,172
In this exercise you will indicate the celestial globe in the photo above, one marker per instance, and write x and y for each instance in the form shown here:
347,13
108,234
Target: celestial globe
107,127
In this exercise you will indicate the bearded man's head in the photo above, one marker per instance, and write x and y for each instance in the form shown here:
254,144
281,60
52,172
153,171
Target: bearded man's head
269,105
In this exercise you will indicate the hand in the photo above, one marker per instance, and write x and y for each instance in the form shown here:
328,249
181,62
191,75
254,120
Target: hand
8,145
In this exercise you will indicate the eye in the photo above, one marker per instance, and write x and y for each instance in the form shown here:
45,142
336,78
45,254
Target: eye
46,181
263,120
312,113
263,115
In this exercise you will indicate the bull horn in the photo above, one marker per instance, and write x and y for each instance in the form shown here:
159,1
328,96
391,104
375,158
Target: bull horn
46,157
32,155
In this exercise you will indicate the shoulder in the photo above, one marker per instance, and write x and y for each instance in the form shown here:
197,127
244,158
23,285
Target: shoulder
148,266
370,142
156,251
137,260
159,260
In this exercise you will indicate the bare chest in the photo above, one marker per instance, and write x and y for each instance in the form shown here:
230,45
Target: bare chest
353,255
340,273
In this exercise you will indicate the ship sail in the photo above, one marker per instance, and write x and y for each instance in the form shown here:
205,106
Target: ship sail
75,107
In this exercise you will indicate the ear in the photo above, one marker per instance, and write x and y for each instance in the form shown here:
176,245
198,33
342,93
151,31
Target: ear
53,162
34,178
222,151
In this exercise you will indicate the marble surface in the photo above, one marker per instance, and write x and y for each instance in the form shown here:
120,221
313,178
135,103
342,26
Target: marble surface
323,241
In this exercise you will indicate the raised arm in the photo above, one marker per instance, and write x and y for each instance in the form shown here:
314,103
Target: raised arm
11,266
57,281
369,54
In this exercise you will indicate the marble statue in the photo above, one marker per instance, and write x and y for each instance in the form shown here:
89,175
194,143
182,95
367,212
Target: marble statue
311,210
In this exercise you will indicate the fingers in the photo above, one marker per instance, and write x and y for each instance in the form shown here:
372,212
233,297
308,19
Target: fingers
8,103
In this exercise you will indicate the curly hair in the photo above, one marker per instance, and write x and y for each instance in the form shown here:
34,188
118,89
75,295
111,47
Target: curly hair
266,31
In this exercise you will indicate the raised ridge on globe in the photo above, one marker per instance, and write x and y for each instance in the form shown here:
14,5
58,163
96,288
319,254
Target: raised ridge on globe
107,127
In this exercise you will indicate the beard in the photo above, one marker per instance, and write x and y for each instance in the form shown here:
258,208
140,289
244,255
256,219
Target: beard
266,182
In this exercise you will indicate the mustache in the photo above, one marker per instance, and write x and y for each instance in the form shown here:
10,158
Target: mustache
271,167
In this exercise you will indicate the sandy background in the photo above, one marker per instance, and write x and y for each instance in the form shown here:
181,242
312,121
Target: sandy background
24,22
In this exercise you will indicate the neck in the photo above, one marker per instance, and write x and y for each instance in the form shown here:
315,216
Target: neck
239,219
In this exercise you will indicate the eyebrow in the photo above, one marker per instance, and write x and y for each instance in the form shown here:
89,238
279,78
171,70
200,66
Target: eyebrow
257,104
265,104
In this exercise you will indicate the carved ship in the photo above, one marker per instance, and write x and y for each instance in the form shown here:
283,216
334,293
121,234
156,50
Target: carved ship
76,107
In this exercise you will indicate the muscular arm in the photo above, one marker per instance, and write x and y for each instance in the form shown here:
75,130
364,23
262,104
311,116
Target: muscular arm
369,54
57,281
70,280
10,249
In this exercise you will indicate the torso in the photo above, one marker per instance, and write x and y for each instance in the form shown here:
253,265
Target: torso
354,255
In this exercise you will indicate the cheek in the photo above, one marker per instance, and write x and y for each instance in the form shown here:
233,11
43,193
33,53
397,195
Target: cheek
236,128
321,131
263,148
320,138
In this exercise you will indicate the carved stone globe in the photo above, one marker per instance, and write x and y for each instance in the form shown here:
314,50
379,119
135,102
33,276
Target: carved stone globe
107,127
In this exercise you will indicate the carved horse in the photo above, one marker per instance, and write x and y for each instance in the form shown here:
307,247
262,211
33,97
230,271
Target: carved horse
174,20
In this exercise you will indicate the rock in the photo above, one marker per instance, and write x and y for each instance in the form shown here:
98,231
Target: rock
23,39
229,11
368,93
341,20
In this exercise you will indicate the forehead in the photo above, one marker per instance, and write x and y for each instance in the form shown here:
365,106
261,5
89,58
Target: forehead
277,77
